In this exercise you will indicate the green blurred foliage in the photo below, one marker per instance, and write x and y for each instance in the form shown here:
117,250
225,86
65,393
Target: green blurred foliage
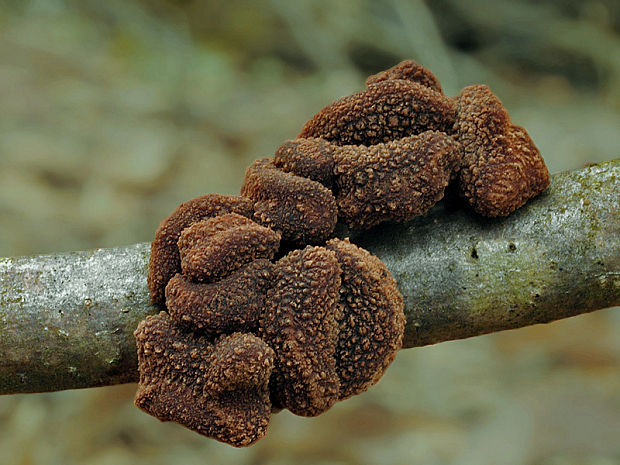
114,112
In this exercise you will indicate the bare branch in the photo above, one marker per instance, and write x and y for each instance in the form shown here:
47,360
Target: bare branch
66,320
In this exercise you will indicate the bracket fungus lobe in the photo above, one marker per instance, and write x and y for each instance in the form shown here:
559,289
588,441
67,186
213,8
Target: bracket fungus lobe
407,70
372,323
310,158
214,247
234,303
396,180
301,325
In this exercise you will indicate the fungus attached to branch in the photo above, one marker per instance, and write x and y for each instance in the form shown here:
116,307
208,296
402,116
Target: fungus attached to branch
502,168
323,322
219,390
332,317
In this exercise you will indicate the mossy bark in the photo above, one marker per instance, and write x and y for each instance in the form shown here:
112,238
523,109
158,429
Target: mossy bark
66,320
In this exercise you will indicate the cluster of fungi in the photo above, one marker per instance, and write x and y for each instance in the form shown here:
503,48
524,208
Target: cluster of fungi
265,308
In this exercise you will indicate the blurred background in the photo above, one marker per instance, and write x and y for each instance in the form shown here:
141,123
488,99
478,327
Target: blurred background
114,112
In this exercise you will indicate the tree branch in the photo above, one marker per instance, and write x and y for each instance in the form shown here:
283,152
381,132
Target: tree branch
66,320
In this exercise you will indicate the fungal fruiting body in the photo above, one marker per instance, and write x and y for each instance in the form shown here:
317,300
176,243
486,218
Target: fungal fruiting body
300,322
385,111
396,180
165,260
213,248
233,303
318,325
216,388
502,168
303,210
372,320
251,329
407,70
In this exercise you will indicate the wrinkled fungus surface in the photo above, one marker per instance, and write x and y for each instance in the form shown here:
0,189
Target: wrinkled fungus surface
372,322
303,210
394,181
502,168
385,111
165,261
245,335
301,325
216,389
213,248
309,158
233,304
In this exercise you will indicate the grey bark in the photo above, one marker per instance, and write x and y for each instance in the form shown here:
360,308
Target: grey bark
66,320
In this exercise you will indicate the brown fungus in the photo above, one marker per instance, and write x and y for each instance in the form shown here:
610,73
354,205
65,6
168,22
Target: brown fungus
309,158
385,111
303,210
165,261
372,324
327,321
219,390
335,320
396,180
393,181
233,304
407,70
501,168
301,325
215,247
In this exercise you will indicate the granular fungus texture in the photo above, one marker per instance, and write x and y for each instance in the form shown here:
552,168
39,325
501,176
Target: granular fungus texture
309,158
214,247
396,180
407,70
301,325
372,323
165,261
393,181
335,320
502,168
245,335
303,210
234,303
218,389
385,111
